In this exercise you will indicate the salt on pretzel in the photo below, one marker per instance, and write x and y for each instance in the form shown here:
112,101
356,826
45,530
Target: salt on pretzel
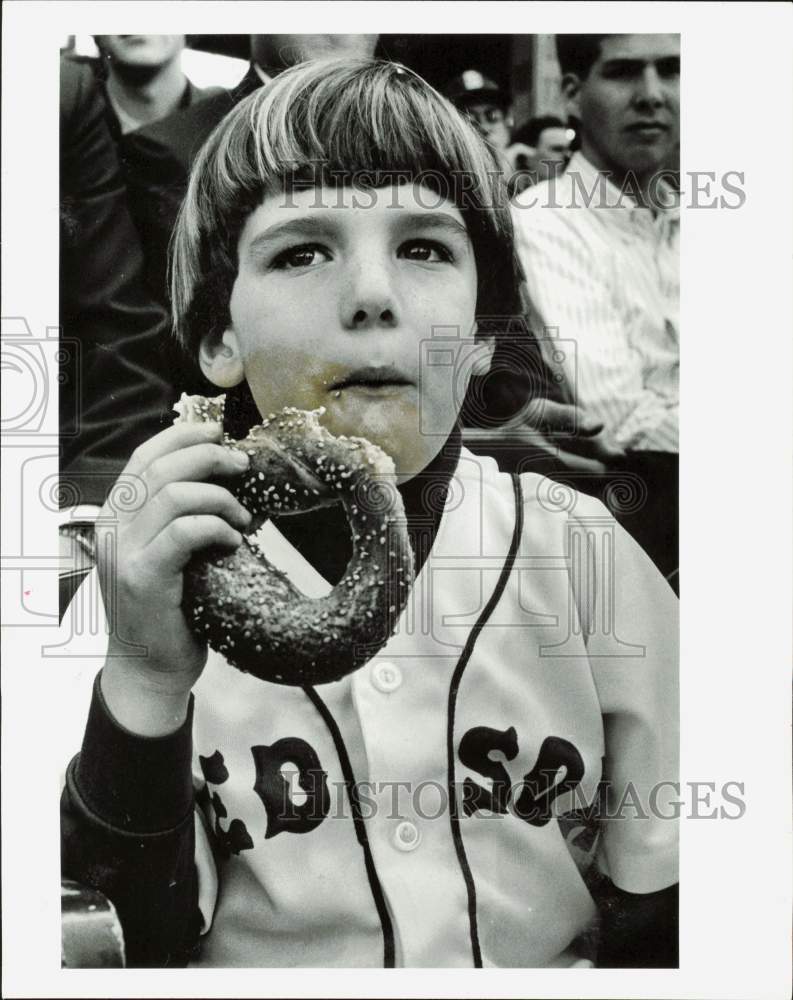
247,609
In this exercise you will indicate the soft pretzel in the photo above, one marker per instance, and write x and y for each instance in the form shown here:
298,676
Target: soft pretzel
247,609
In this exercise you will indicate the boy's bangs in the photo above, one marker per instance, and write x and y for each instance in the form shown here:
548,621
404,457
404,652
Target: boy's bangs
368,124
332,122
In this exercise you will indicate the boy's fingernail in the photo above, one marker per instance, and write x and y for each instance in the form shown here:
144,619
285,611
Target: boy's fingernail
241,458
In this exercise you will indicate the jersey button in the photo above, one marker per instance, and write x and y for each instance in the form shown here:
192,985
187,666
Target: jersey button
386,677
406,836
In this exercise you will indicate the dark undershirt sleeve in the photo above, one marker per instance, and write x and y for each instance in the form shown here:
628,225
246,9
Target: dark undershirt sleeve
127,829
637,931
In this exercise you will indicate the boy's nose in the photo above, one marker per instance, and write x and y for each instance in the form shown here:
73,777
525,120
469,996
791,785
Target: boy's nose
370,302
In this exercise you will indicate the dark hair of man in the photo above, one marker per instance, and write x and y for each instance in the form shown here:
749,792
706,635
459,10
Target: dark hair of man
498,98
578,53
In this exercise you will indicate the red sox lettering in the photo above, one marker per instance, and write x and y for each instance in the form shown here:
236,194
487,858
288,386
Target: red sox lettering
559,768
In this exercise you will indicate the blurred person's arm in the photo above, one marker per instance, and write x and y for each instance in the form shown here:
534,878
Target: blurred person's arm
116,393
524,412
570,292
564,432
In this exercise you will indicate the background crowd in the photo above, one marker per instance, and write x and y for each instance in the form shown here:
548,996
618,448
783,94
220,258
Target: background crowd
585,130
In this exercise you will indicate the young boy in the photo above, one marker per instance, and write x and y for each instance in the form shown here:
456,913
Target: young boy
343,230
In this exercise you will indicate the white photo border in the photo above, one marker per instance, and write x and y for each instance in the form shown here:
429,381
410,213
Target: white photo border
735,524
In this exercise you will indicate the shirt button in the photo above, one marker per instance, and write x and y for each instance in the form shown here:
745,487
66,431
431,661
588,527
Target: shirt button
386,677
406,836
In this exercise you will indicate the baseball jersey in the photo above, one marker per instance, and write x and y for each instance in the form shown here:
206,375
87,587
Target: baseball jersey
444,804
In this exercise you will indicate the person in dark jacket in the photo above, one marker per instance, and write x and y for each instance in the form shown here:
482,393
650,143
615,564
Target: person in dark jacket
157,159
113,391
144,80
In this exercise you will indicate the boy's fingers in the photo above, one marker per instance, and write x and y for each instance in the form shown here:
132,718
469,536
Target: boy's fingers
173,439
192,464
173,548
179,499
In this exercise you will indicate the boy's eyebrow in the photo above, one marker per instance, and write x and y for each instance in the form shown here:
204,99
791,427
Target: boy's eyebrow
432,220
315,226
304,226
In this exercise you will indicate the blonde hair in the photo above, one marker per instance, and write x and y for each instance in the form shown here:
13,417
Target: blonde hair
333,122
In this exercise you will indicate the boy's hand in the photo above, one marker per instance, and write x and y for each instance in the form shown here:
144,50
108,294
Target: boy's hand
141,555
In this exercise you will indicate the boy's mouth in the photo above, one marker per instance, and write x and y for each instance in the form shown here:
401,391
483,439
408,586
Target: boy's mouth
371,380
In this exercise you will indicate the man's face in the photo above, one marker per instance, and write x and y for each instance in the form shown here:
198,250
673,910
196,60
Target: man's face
491,121
629,104
141,50
336,297
553,150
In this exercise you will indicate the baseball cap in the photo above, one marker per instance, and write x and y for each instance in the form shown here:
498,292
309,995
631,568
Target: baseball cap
471,85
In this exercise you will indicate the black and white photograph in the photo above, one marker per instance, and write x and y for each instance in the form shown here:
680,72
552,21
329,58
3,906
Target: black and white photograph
391,552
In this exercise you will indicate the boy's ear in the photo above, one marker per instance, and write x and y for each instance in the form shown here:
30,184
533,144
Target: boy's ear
571,91
220,359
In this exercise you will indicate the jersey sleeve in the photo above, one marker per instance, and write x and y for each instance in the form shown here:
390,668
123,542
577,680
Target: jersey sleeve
629,621
129,829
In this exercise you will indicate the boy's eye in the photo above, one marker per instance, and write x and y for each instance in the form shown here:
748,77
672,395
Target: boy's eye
426,251
302,256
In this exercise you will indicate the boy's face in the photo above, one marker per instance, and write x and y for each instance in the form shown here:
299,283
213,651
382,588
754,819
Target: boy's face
337,292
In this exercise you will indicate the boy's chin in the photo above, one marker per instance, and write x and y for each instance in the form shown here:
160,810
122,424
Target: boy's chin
392,424
412,457
397,433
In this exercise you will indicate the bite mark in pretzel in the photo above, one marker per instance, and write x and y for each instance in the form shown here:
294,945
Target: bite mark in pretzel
249,610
